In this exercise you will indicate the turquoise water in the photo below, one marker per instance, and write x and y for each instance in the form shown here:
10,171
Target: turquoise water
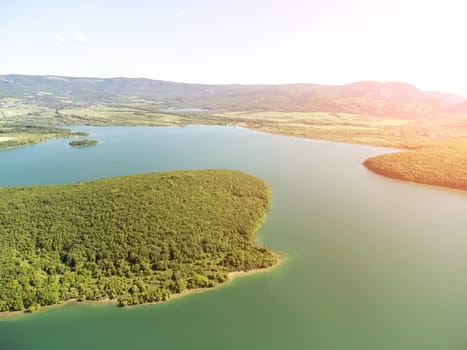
371,263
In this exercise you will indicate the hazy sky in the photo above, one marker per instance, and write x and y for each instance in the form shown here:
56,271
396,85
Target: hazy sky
240,41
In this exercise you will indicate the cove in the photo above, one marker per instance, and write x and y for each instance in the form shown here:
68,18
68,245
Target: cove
370,263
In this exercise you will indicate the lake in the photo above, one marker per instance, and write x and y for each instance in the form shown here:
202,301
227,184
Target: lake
371,263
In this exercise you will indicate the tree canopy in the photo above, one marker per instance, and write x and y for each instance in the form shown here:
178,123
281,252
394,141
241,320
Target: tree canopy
83,143
135,238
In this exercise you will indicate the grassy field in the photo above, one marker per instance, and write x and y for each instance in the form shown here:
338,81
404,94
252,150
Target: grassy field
343,127
23,124
369,129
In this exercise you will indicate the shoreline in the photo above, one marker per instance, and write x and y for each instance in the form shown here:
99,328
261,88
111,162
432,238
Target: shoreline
4,315
231,276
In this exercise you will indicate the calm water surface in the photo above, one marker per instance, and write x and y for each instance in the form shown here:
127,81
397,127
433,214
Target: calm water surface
371,263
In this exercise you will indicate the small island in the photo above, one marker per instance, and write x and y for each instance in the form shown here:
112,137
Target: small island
132,239
83,143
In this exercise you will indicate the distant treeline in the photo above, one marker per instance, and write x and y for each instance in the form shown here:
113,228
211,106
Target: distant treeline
33,129
135,239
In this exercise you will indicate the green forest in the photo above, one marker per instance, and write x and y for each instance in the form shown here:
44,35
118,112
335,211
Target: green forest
135,239
83,143
442,164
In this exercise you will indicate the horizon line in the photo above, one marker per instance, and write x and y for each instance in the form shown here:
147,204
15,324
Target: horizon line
241,84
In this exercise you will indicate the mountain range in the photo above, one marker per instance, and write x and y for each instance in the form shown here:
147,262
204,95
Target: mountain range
392,99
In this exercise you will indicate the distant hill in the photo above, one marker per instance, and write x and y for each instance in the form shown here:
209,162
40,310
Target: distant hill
372,98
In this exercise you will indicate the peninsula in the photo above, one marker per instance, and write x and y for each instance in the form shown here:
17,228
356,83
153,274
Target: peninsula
134,239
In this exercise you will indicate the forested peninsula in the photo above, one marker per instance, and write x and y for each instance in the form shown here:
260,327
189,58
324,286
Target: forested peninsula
443,164
135,239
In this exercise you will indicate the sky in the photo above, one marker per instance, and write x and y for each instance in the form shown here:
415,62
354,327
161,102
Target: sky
422,42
